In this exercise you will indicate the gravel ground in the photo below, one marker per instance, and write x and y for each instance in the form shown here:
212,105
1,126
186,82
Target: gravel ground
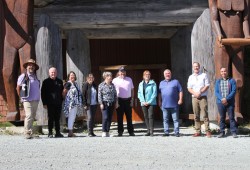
125,152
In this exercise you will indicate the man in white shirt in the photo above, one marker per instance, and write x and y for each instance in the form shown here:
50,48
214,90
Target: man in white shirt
198,85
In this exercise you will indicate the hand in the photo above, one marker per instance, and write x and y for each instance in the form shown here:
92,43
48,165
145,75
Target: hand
219,41
132,103
117,105
224,101
197,94
101,106
45,107
85,107
180,102
159,104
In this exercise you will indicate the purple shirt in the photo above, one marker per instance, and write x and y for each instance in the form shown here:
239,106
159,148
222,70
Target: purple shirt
123,86
169,91
34,93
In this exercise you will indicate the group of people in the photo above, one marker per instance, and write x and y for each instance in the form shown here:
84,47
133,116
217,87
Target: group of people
118,93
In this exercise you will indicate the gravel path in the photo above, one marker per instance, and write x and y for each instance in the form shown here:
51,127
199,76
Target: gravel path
137,152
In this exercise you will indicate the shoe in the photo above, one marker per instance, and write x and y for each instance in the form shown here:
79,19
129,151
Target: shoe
71,135
119,134
132,134
177,135
151,134
58,135
107,134
235,135
28,136
147,134
196,134
221,135
104,134
165,134
91,134
208,134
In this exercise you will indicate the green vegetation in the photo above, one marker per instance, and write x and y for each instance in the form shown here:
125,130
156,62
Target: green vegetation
5,124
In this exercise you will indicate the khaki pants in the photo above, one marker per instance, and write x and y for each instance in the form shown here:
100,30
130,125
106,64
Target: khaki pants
200,108
30,109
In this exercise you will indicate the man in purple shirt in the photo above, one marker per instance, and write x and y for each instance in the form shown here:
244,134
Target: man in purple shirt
170,97
125,93
28,88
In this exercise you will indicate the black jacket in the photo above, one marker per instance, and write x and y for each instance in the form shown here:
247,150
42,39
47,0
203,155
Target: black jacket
86,93
51,91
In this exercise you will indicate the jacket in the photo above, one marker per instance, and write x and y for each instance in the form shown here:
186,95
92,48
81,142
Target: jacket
150,93
231,92
86,93
51,92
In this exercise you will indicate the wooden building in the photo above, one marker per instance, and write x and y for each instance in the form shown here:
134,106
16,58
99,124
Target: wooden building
92,36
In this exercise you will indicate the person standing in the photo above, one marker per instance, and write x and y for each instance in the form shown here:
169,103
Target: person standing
28,88
107,99
73,101
198,85
225,90
125,93
51,94
170,97
89,91
147,93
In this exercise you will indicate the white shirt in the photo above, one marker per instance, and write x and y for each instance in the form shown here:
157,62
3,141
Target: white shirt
197,81
93,96
123,86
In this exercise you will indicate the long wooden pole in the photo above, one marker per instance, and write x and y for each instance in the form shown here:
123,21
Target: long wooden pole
235,41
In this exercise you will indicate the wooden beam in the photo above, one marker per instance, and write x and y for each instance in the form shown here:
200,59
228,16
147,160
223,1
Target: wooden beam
187,116
133,67
117,14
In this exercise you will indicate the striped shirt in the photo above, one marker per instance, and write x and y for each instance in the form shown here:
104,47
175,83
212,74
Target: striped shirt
224,88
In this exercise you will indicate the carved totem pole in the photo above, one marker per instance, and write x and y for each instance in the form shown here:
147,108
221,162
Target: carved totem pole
230,23
18,48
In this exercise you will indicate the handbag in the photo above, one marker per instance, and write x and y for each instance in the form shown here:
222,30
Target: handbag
25,87
80,111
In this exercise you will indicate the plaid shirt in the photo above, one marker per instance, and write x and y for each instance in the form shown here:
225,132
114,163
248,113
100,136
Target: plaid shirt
224,88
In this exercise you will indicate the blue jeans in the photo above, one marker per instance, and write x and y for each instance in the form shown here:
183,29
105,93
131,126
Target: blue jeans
107,114
175,116
222,111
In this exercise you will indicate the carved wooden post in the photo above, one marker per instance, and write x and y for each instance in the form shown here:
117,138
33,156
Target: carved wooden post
181,40
202,41
78,57
48,53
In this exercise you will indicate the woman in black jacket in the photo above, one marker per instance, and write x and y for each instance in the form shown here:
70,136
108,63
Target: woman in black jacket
89,90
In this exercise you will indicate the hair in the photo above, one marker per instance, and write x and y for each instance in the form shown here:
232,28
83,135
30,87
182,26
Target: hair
69,75
196,63
223,67
89,75
167,70
146,71
106,74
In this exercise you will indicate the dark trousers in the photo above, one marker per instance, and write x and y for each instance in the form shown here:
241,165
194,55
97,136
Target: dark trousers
222,111
124,107
91,117
54,113
107,114
148,112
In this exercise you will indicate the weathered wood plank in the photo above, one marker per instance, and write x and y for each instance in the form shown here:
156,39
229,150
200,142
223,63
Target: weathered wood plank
48,53
78,55
202,41
116,14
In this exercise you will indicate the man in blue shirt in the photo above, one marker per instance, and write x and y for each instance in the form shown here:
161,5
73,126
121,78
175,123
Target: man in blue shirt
170,98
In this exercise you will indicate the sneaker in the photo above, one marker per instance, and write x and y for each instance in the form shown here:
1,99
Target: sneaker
221,135
131,134
50,135
177,135
59,135
147,134
28,136
165,134
196,134
235,135
91,134
119,134
104,134
208,134
107,134
151,134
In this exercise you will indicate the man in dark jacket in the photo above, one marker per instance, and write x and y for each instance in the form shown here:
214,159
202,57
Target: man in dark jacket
225,89
51,94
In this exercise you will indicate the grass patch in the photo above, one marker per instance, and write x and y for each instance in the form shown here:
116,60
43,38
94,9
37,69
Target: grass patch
5,124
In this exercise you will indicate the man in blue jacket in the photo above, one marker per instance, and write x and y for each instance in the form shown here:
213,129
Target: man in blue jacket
225,89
